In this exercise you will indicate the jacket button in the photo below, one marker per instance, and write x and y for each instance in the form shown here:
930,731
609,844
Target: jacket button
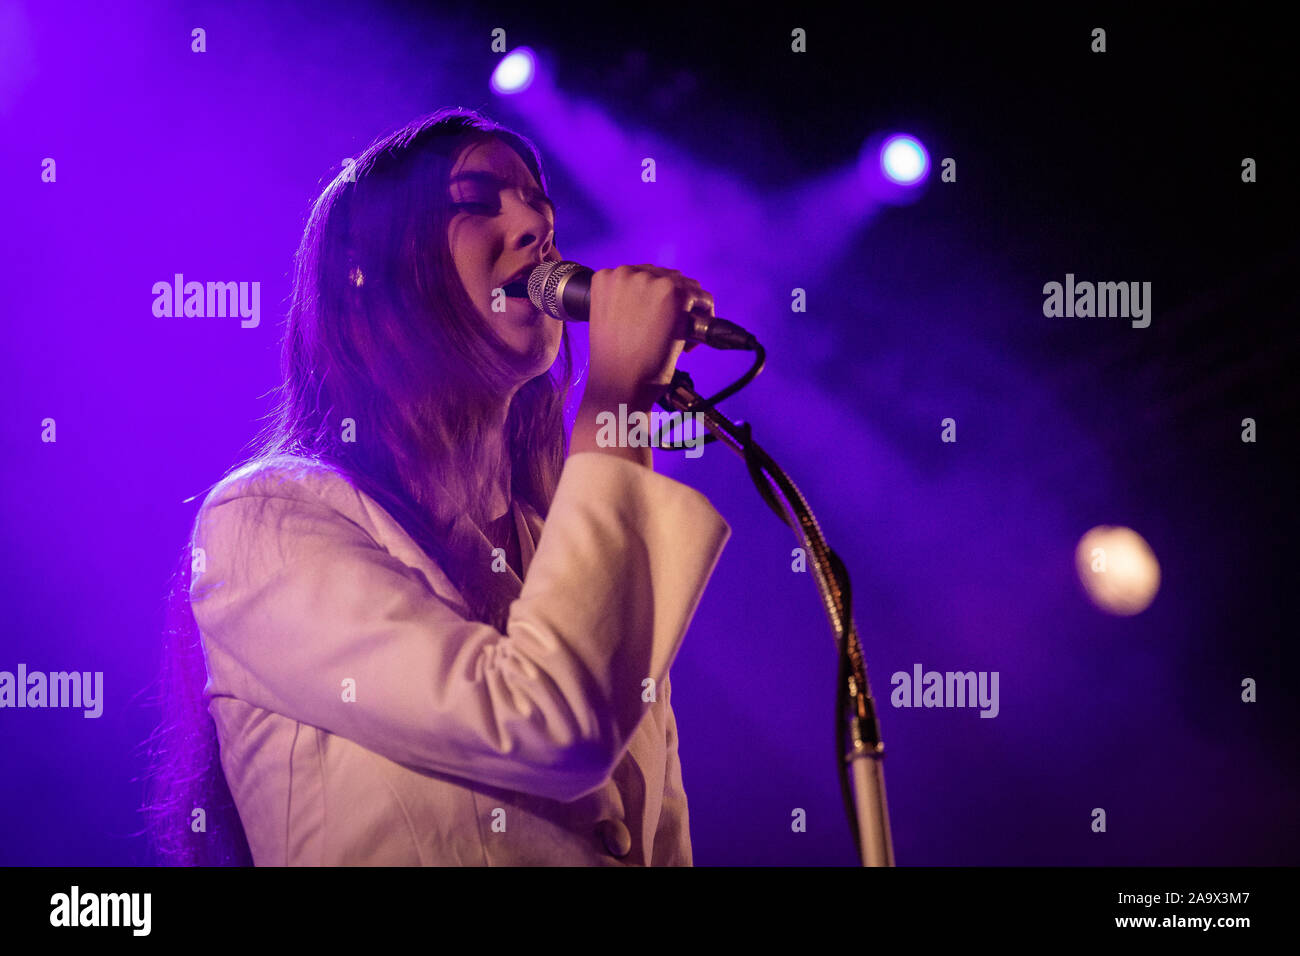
618,841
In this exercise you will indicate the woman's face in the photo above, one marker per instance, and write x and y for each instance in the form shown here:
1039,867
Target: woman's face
503,223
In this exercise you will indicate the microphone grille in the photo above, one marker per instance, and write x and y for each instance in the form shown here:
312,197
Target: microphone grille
543,283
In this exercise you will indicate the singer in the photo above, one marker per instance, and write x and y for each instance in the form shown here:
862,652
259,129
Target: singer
377,655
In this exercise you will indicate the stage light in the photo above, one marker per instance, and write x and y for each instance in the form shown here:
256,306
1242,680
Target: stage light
515,72
893,169
1118,570
904,160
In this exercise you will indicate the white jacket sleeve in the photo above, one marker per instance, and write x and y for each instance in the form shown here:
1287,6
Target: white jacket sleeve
299,602
673,838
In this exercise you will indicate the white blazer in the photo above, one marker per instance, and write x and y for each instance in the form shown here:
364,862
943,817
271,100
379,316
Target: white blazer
364,720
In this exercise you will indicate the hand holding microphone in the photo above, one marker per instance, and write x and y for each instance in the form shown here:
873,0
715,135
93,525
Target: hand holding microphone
640,323
641,319
562,290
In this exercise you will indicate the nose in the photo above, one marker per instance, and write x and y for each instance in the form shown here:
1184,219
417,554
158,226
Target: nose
528,227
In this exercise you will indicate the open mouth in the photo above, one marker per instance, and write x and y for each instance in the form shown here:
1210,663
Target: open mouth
518,289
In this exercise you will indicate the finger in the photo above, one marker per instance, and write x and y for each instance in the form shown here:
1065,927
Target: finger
700,300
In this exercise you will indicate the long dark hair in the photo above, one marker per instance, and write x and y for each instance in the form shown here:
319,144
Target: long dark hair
382,332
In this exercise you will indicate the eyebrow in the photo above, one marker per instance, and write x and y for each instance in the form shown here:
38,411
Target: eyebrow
492,179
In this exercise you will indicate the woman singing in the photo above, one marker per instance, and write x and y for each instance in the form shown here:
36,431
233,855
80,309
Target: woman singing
401,667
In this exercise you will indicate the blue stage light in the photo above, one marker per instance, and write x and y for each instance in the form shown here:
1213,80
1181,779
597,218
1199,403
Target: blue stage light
904,160
515,72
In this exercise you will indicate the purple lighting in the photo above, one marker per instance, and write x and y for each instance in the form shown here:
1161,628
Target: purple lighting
904,160
893,169
515,72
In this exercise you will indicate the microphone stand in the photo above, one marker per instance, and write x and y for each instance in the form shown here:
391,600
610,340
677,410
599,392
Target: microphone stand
855,712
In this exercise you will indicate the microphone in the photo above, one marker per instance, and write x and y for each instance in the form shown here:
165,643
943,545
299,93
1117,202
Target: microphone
563,291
